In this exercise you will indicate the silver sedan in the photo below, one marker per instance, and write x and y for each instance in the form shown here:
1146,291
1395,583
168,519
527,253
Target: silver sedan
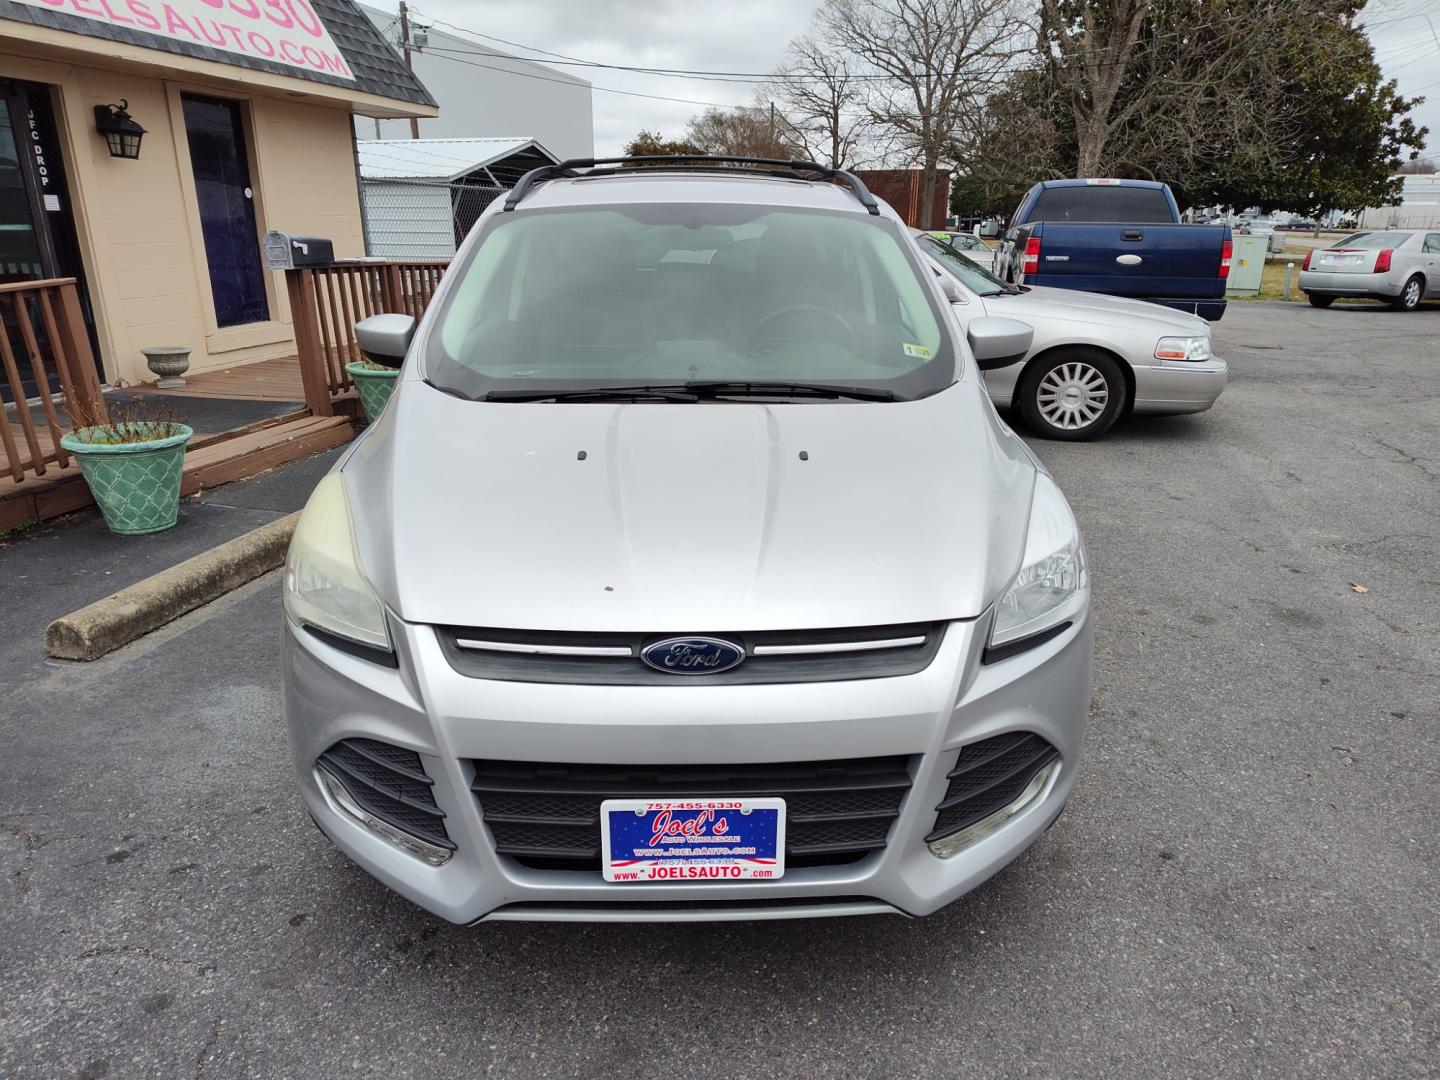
1094,358
1400,267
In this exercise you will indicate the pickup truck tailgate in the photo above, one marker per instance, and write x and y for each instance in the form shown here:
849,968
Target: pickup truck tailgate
1152,260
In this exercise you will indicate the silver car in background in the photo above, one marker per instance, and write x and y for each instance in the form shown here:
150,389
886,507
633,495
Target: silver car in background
1094,359
688,572
1400,267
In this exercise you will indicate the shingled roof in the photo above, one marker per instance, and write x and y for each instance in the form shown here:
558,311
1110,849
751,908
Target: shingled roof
377,66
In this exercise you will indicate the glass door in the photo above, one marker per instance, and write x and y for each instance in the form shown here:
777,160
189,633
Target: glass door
227,209
21,251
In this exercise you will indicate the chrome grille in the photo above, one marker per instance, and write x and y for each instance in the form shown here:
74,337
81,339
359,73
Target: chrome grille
788,656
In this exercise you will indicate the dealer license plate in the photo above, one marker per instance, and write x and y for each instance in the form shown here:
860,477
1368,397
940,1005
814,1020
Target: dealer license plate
1344,260
692,840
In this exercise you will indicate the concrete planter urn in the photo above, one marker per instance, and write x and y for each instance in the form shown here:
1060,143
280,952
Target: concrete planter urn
133,470
169,362
374,383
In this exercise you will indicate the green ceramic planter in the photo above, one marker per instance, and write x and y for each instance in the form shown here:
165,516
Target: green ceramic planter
137,485
374,385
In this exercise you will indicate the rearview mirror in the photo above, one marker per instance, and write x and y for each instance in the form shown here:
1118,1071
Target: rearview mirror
385,339
951,290
997,342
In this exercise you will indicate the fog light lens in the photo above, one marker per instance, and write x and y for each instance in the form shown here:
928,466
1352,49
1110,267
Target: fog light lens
341,798
955,843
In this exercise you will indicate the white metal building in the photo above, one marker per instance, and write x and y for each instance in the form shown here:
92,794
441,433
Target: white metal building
483,91
1419,206
420,197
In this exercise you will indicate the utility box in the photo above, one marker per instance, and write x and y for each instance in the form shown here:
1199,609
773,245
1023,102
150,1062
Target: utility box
285,252
1247,264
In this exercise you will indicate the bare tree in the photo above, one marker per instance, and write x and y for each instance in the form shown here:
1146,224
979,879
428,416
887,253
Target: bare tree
823,101
1418,167
928,66
759,130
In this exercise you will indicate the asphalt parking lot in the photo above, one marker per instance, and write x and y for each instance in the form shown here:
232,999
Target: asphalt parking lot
1245,883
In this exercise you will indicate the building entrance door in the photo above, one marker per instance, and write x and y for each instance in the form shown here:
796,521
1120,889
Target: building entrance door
227,209
37,224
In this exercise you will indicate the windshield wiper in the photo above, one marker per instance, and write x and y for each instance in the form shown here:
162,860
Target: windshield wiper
696,389
597,393
743,388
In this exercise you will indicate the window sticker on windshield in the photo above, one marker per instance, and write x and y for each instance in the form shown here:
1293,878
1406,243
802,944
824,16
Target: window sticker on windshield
920,352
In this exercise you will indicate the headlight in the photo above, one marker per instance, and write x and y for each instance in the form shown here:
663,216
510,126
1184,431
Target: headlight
1183,348
324,586
1053,585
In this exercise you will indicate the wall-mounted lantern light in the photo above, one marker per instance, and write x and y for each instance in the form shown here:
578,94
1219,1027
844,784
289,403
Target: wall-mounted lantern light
122,133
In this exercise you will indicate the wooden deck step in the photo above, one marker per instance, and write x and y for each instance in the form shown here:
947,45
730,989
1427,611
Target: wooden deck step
218,459
259,451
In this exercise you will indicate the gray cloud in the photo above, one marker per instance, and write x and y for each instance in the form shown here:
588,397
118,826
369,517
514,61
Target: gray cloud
740,35
750,35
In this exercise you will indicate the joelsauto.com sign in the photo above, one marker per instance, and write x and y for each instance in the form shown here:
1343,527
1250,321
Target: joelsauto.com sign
285,31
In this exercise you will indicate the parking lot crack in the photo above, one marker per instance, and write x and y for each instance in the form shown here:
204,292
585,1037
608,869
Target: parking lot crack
205,1050
144,952
1401,457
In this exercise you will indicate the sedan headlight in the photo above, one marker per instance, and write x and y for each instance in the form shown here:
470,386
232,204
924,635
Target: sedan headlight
324,586
1053,585
1183,348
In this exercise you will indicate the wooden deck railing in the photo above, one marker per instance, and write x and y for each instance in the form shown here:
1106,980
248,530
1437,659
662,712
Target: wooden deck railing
326,303
43,332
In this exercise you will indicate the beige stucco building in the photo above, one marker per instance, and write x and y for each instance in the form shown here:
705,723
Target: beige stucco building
248,127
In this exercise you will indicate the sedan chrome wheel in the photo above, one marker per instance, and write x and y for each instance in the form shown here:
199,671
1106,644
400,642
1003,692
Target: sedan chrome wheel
1072,396
1410,298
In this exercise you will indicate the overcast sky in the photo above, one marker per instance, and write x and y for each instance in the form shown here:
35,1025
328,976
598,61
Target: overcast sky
750,36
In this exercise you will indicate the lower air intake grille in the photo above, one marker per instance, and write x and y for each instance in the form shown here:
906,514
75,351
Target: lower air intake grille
548,815
391,783
988,776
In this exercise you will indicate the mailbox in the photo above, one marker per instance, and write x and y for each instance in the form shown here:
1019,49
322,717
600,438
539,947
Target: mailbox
286,252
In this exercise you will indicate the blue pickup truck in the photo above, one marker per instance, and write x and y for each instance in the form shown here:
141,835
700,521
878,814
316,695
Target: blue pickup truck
1119,237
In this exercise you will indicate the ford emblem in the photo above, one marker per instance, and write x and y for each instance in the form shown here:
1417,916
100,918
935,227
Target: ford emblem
692,655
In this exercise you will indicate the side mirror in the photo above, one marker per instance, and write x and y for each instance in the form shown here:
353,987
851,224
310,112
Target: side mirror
951,290
997,342
385,339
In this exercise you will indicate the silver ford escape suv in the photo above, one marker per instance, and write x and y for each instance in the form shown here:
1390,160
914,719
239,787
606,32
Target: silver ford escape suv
689,572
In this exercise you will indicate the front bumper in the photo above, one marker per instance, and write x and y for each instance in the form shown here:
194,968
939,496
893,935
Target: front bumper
426,706
1175,386
1350,285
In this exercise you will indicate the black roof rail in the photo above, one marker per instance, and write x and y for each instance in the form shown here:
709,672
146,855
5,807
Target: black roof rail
779,167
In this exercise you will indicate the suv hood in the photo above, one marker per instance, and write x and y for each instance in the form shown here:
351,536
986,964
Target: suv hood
688,518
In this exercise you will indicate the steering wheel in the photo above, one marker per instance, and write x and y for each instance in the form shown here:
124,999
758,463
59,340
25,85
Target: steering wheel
803,309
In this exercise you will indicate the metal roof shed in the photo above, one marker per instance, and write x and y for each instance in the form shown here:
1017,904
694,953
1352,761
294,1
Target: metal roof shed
421,196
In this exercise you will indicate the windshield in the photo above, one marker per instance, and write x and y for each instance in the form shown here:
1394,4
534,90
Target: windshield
1374,241
975,278
961,241
1103,203
652,294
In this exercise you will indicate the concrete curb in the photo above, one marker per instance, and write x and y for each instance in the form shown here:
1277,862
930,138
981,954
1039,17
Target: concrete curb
121,617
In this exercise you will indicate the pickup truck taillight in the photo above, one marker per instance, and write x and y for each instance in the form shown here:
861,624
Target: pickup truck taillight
1382,262
1308,255
1227,249
1031,262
